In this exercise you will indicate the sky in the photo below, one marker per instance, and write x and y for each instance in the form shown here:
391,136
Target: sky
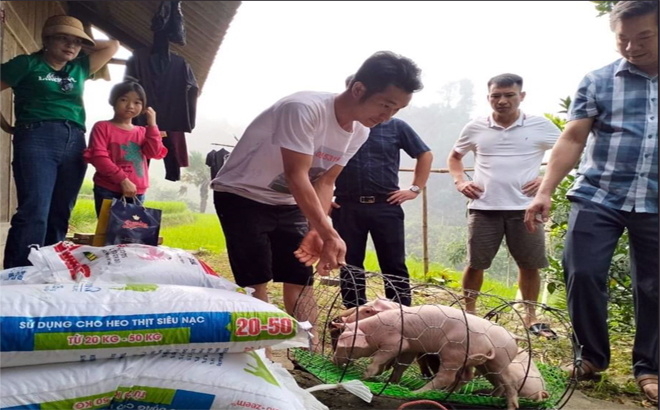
273,49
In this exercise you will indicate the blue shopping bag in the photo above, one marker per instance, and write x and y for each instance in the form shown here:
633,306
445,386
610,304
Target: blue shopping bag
132,223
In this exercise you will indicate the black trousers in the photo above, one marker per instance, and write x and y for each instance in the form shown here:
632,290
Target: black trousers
354,221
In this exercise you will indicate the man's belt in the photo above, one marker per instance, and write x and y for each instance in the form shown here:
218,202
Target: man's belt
362,199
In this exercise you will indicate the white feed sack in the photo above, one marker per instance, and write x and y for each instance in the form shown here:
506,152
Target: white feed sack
131,263
86,321
156,382
24,275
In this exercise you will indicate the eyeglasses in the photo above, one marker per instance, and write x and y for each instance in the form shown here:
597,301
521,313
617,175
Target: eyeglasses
60,38
66,82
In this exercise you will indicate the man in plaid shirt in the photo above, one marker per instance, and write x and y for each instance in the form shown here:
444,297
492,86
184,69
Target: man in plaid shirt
616,189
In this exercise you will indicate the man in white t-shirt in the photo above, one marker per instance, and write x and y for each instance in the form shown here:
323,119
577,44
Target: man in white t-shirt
508,147
274,192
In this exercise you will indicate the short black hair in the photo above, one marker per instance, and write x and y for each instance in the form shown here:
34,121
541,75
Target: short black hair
385,68
129,84
506,80
626,9
349,80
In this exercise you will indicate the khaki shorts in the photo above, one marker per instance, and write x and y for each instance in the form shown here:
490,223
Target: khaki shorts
486,230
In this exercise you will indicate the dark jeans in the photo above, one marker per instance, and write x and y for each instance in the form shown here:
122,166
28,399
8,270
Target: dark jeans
354,221
101,193
48,170
593,232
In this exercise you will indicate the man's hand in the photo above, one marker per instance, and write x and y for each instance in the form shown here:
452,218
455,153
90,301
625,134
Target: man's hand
310,248
128,189
540,207
330,253
532,187
333,255
335,205
469,189
399,197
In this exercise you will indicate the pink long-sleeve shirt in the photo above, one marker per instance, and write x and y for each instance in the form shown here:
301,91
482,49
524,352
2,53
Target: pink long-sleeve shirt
118,154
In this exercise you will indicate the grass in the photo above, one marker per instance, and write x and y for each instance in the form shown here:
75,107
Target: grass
203,234
444,276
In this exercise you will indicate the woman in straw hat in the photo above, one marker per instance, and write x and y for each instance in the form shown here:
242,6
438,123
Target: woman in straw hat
49,135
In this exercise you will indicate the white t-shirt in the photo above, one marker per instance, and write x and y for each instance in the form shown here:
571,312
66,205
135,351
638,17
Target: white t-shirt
506,159
304,122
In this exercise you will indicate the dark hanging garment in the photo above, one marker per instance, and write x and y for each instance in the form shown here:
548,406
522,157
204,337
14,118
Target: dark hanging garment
169,18
177,155
215,160
171,89
169,83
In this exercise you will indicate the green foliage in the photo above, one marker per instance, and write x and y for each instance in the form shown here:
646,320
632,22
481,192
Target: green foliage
620,307
604,7
162,193
197,174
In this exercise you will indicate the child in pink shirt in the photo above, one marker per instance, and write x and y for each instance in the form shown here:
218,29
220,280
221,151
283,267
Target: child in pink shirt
119,150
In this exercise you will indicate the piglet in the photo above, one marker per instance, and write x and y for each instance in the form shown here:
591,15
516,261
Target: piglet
428,363
434,329
532,387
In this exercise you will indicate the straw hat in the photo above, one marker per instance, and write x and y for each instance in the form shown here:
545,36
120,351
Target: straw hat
66,25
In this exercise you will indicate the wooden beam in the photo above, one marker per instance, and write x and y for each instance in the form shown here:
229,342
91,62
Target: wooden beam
79,10
17,29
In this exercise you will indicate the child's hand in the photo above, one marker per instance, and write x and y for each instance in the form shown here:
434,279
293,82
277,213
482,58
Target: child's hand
128,188
151,116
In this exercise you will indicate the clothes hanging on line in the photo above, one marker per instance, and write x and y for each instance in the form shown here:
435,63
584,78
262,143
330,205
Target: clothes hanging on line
177,155
216,159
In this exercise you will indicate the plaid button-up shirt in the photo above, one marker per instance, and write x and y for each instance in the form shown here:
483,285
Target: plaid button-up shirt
620,165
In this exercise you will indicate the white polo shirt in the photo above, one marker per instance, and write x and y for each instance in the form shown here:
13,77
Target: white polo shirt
506,158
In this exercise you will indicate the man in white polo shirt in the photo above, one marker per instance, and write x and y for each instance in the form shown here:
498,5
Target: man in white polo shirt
508,147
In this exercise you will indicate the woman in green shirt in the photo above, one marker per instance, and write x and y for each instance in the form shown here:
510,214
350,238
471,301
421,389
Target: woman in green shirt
49,132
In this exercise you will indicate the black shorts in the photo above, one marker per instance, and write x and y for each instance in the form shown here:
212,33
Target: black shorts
261,240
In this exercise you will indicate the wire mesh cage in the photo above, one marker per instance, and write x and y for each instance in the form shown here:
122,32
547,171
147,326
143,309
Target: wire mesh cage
505,354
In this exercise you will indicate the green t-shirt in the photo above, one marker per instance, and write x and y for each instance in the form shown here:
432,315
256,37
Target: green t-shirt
37,90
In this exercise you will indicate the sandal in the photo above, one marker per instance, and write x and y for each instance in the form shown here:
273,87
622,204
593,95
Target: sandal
649,385
586,371
543,329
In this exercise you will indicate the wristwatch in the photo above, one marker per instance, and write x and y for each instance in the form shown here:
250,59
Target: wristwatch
415,189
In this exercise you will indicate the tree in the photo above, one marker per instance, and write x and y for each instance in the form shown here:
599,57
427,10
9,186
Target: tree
199,175
604,7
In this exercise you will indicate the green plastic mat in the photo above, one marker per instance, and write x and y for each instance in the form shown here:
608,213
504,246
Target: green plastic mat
323,368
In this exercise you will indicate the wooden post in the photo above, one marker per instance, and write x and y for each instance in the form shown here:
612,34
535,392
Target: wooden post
425,232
